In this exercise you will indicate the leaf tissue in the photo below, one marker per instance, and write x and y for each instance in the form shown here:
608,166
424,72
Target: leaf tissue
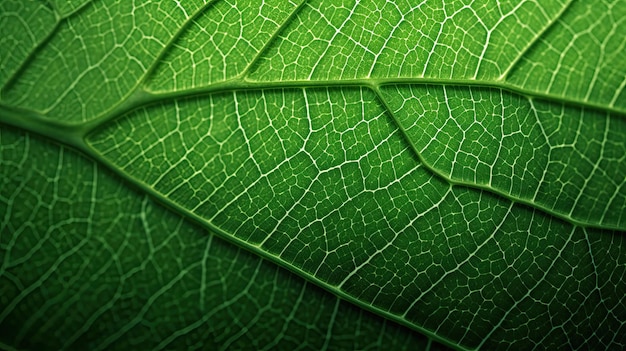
313,174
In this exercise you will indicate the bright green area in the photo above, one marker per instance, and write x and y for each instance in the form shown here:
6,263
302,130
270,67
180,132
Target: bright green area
406,39
88,263
520,147
459,169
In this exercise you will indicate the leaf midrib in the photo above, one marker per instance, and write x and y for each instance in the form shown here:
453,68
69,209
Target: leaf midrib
76,134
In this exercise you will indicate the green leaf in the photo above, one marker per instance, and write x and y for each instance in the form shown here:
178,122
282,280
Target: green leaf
79,273
457,168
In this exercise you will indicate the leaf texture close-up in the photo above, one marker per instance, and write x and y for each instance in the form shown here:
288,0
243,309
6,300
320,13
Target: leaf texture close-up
353,175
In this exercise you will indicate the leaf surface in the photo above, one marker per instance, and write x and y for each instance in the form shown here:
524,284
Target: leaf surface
457,168
78,273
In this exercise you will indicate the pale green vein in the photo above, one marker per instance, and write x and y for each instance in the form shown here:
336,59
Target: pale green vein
535,40
75,134
257,249
142,98
272,38
528,292
60,20
516,199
